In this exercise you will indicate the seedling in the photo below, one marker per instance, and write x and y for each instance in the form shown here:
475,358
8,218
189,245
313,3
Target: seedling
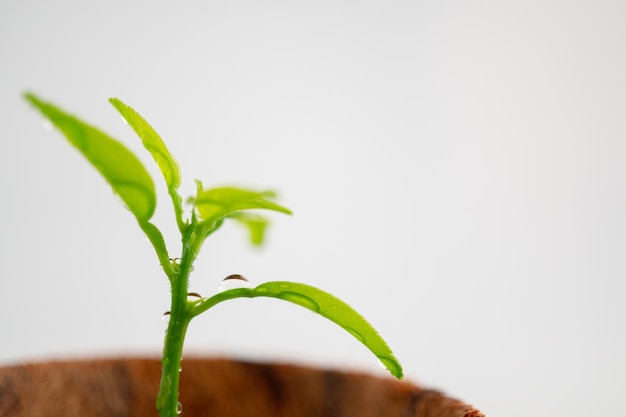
209,209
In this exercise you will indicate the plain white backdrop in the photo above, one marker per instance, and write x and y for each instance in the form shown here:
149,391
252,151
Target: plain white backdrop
457,172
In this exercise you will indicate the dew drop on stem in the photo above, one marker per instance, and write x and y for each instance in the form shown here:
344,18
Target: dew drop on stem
179,408
193,296
166,317
234,281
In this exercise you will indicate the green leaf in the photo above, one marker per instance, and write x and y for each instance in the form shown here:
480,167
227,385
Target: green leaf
152,142
256,225
319,302
217,203
119,166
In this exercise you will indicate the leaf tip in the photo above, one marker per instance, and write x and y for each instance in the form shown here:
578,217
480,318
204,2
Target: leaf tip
30,97
117,103
392,365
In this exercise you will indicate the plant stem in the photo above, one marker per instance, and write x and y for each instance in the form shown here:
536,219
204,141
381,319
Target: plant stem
180,316
167,399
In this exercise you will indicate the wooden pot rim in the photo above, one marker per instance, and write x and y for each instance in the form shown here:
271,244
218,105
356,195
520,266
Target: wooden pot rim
127,386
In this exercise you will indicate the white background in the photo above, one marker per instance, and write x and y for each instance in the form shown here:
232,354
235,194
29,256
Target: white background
456,170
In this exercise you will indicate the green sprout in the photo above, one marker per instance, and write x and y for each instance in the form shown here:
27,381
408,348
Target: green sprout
209,209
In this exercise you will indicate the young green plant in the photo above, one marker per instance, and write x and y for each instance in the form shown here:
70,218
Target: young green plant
209,209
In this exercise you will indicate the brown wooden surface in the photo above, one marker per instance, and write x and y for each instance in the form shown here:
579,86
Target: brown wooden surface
215,388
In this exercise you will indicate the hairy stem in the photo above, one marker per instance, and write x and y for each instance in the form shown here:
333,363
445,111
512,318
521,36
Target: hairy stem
167,399
180,316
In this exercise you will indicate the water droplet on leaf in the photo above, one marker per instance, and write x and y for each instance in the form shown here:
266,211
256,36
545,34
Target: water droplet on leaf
356,334
390,365
300,299
166,317
234,281
179,408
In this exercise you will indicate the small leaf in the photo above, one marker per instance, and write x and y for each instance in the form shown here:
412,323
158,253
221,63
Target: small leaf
217,203
119,166
322,303
255,224
152,142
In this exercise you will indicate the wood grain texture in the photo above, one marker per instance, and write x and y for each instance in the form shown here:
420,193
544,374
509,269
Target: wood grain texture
215,388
